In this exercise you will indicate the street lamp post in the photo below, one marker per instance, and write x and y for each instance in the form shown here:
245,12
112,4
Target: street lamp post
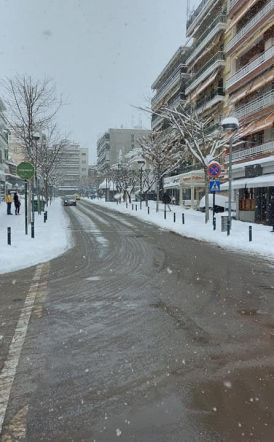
230,124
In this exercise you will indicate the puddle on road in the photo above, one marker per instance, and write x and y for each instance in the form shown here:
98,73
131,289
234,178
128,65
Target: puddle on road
238,407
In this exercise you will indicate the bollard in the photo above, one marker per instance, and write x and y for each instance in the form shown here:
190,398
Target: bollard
45,217
250,233
117,202
165,213
148,210
9,236
214,223
174,217
131,206
46,212
183,218
136,207
32,229
126,205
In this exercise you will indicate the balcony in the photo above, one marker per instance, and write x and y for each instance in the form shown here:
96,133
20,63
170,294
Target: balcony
217,26
243,154
217,61
250,26
254,106
209,101
250,67
198,14
158,119
168,84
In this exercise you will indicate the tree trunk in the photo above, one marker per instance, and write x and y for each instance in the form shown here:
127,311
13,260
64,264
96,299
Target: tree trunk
206,196
157,195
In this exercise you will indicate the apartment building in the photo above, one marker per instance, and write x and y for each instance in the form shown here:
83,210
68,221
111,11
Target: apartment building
169,87
205,86
249,85
72,168
115,144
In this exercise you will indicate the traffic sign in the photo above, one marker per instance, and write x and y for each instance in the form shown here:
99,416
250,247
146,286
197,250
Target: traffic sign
214,186
25,170
214,169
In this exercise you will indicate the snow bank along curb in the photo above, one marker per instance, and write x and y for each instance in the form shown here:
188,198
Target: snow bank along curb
51,238
195,227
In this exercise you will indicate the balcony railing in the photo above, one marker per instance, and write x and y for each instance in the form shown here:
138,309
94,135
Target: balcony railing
255,105
245,153
217,26
199,12
248,68
250,25
210,100
171,82
216,61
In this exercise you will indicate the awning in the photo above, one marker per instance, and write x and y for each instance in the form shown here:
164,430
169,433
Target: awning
107,184
204,85
255,85
242,13
257,126
251,183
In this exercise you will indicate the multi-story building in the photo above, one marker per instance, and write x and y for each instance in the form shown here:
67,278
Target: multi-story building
249,85
72,168
169,87
205,87
113,146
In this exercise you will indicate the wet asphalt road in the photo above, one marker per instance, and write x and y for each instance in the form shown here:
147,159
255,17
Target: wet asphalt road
138,334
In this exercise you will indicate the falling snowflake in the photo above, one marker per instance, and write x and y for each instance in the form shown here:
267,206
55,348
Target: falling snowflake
118,432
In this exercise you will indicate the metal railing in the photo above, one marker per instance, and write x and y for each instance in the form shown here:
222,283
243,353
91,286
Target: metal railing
255,105
205,100
248,68
203,6
206,37
250,25
232,3
168,84
245,153
205,71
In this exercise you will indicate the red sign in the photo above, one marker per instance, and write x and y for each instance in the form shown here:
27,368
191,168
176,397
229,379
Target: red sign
214,169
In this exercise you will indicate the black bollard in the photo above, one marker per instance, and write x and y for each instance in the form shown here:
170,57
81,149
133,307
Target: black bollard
214,223
126,205
46,212
148,210
9,236
45,217
250,233
136,207
165,213
183,218
32,229
131,206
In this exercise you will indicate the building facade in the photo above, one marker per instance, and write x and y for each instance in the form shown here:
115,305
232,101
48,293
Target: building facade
249,85
72,168
115,144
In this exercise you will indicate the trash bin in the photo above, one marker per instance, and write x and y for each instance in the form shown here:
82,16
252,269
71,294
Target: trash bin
224,222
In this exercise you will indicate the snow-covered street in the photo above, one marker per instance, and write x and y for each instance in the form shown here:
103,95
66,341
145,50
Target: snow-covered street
51,238
194,227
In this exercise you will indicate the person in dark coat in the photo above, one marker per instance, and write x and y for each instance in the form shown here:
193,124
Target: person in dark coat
270,213
166,200
17,203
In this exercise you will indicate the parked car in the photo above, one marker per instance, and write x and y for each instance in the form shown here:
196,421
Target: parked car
69,201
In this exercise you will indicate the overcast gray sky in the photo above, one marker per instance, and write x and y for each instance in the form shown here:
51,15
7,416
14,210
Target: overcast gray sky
102,54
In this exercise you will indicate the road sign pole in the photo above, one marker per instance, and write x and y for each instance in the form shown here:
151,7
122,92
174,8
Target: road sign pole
214,220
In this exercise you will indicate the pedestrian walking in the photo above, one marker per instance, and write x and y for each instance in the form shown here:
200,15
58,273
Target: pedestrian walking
8,201
17,203
166,200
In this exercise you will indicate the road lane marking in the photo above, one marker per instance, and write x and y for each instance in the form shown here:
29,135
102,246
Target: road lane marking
8,372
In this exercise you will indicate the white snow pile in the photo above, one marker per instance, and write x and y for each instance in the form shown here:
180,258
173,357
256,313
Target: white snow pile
262,238
51,238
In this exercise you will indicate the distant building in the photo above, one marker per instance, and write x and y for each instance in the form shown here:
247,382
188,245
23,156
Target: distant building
113,146
72,168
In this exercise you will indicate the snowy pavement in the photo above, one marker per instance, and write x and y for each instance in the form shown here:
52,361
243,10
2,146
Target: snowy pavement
51,238
262,239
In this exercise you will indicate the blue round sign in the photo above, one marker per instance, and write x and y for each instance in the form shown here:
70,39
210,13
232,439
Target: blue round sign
214,169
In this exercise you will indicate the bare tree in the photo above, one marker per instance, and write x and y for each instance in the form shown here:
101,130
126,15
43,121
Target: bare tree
199,140
161,150
32,106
